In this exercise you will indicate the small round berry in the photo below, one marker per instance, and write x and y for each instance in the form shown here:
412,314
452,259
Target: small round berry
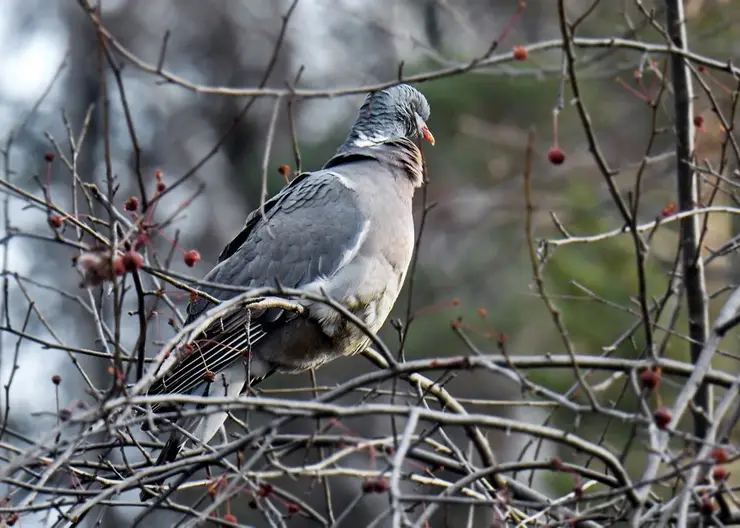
49,157
556,464
119,268
556,156
161,186
132,204
265,490
662,417
56,379
719,455
707,508
12,519
132,260
230,517
55,221
284,170
650,378
698,121
191,257
293,508
719,474
209,376
520,53
158,174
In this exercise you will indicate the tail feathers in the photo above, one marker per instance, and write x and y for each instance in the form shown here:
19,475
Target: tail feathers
229,383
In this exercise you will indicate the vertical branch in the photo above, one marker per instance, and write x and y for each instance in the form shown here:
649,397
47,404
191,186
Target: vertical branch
687,198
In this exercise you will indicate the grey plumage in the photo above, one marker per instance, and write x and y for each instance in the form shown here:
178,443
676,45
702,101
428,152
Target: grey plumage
346,229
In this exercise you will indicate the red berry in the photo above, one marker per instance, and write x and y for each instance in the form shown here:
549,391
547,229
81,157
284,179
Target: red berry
719,455
556,156
378,485
265,490
719,474
158,174
55,221
132,204
12,519
119,268
520,53
230,517
132,260
662,417
191,257
650,378
161,186
707,508
556,464
56,379
49,157
698,121
668,210
293,508
284,170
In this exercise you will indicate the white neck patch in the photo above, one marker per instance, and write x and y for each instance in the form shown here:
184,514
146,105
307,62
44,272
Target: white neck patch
363,140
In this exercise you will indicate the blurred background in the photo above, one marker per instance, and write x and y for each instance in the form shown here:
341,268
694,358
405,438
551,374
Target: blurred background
473,262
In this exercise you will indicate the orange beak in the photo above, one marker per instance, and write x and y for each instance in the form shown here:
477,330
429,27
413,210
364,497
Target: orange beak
426,134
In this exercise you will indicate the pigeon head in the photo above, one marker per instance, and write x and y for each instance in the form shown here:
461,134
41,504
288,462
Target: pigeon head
400,111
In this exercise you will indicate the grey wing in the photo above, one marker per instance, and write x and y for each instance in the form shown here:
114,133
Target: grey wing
307,231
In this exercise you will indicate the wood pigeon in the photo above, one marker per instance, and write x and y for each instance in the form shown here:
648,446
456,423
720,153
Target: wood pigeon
346,231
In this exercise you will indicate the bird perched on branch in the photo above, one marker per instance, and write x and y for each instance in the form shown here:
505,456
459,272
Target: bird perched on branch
345,231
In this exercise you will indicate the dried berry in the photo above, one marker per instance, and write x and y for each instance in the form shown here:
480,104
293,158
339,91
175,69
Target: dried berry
55,221
668,210
56,379
520,53
132,260
132,204
161,186
265,490
49,157
719,455
118,266
698,121
650,378
556,156
293,508
209,376
378,485
191,257
662,417
719,474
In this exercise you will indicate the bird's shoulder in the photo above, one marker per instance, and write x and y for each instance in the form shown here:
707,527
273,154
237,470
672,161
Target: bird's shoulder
307,195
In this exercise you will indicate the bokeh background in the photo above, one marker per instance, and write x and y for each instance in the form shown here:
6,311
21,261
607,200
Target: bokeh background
472,262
